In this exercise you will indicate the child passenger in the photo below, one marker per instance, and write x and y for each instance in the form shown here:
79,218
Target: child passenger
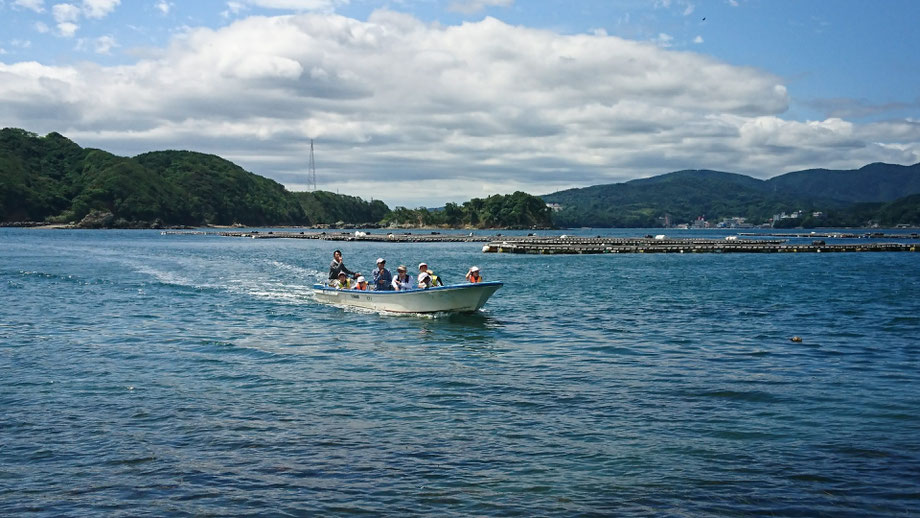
342,283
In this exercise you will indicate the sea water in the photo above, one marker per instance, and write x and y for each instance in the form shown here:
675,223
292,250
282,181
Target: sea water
149,374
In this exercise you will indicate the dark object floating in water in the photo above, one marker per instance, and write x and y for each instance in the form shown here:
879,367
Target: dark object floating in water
796,339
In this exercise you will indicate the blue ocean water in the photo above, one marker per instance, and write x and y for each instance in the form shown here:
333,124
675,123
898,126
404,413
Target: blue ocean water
143,374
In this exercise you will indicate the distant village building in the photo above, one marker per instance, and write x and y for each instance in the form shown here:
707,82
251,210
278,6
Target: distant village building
782,215
734,222
700,223
555,207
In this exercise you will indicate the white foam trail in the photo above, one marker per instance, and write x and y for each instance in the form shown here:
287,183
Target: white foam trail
293,268
171,278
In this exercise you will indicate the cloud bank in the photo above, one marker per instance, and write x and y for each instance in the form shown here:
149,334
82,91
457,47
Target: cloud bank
418,114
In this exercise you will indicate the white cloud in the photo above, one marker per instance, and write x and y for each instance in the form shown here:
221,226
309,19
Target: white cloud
100,45
36,5
42,28
475,6
664,40
233,9
104,44
398,106
65,13
67,29
698,40
99,8
163,6
296,5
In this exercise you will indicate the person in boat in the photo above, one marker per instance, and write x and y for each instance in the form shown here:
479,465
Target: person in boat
383,279
342,283
337,266
433,279
402,281
473,275
424,281
361,283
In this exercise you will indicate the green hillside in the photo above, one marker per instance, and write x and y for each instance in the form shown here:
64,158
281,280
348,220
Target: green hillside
845,198
684,196
872,183
322,207
52,179
221,192
39,176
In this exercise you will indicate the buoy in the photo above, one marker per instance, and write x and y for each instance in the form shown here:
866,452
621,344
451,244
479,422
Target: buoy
796,339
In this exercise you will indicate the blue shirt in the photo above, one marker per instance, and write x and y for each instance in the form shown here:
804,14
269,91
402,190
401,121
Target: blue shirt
382,280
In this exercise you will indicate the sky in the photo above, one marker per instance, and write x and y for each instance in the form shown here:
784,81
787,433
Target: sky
422,102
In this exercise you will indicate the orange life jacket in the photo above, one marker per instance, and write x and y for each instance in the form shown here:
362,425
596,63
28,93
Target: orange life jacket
476,279
358,287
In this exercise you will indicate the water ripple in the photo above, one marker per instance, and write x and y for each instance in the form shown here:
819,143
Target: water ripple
145,375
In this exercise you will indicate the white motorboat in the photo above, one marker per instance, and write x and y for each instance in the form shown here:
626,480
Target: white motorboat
464,298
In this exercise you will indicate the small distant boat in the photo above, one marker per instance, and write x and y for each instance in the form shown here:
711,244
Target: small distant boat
461,298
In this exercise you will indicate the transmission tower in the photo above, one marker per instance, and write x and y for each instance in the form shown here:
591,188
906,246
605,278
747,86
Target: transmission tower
311,180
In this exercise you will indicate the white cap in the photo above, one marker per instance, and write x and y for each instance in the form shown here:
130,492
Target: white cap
474,269
361,278
341,274
380,260
422,264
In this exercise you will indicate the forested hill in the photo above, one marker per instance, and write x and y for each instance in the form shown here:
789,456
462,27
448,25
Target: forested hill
872,183
846,198
53,180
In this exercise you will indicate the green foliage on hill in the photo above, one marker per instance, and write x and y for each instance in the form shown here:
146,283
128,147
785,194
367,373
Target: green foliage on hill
904,210
37,175
683,195
518,210
687,195
322,207
53,179
222,193
872,183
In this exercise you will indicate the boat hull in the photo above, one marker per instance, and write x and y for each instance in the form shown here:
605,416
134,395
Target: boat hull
463,298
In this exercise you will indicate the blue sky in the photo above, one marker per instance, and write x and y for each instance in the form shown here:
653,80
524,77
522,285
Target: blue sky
476,96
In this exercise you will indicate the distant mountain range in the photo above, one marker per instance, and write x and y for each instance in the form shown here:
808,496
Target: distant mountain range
875,194
51,179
